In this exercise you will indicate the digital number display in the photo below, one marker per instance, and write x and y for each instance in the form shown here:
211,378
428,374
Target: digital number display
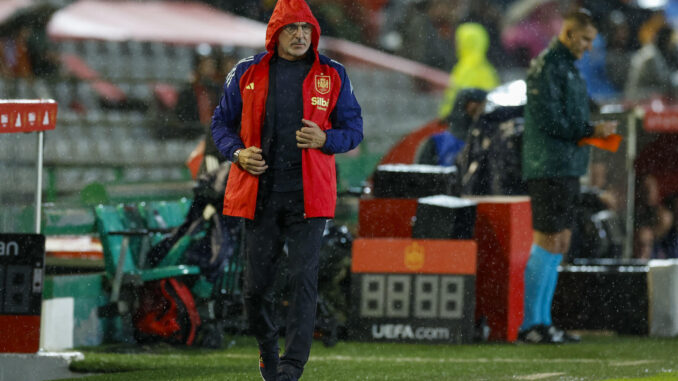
21,268
413,307
413,290
18,288
417,296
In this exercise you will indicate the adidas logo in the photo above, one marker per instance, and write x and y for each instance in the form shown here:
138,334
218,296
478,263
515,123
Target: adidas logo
250,86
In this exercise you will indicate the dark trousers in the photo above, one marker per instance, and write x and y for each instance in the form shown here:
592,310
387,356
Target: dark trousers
279,219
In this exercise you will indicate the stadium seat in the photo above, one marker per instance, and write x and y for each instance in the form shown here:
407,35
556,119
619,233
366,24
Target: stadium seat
161,61
68,46
164,214
121,263
116,68
182,60
93,53
166,94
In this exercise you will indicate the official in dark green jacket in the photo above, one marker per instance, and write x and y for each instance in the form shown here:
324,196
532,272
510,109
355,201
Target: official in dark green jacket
556,118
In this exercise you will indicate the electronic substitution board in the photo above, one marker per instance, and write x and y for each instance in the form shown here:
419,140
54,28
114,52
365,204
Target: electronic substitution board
22,258
413,290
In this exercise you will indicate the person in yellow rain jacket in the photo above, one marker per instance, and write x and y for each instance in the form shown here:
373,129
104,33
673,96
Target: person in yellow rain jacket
473,69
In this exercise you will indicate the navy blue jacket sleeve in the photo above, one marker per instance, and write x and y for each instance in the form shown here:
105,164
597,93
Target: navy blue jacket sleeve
226,119
347,121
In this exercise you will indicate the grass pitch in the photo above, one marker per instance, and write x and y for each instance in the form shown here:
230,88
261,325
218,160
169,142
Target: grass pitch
598,357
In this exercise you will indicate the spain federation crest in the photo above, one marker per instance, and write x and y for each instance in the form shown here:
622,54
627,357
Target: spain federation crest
322,84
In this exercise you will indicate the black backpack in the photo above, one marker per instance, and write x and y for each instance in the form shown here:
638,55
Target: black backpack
166,312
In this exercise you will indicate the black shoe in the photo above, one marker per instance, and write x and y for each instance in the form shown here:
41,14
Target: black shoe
539,334
564,335
268,366
286,377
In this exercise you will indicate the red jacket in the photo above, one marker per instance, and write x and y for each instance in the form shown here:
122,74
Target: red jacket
328,101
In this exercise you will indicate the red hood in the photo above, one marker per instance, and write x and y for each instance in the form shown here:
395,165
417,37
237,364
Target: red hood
288,12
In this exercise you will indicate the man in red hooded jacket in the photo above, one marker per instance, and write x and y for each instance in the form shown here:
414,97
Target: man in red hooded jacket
284,114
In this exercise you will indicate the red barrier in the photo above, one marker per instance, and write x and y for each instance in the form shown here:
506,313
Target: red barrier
503,232
20,333
386,217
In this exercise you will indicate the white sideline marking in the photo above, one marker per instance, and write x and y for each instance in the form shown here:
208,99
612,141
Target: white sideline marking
631,363
458,360
474,360
539,376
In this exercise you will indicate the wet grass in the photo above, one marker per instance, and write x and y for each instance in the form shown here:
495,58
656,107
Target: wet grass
596,358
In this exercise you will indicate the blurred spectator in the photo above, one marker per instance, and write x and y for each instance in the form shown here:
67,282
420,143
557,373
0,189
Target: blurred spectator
652,215
667,247
253,9
372,18
225,62
426,31
488,14
4,68
474,144
44,58
473,68
598,175
490,162
650,27
597,229
25,49
348,19
653,68
198,98
598,181
634,16
529,27
336,20
647,200
15,53
618,56
592,69
390,38
643,242
190,115
442,148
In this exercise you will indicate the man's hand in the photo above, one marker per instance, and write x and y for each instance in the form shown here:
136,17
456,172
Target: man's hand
310,135
250,159
604,129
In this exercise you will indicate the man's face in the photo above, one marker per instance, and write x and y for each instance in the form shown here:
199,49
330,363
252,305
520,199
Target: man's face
580,40
475,109
294,40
